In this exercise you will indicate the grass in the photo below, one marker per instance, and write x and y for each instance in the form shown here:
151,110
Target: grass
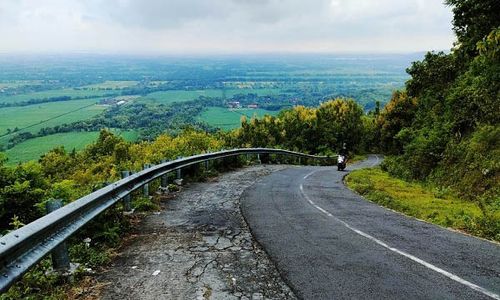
34,117
129,135
32,149
229,119
169,97
53,93
422,202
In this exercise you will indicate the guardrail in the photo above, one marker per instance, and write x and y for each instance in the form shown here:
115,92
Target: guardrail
23,248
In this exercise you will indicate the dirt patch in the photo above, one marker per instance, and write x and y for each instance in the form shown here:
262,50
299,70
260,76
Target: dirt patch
198,247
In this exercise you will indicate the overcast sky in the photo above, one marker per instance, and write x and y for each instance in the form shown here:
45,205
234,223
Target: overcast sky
223,26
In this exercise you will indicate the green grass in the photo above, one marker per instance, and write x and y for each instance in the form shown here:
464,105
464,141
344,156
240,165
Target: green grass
112,84
129,135
32,149
53,93
422,202
46,115
229,119
169,97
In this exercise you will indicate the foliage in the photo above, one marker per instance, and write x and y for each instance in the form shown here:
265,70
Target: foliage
471,168
473,20
397,115
20,190
39,283
446,127
144,204
25,188
173,187
313,130
89,256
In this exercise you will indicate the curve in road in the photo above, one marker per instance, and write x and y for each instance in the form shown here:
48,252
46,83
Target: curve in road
330,243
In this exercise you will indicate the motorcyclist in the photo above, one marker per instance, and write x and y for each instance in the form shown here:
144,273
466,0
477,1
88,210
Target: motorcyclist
344,151
342,159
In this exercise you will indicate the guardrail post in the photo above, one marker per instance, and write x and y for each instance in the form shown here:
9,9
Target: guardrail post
206,165
258,159
126,199
145,187
60,257
179,171
164,178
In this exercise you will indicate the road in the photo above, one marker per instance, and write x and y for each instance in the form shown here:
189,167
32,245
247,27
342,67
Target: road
329,243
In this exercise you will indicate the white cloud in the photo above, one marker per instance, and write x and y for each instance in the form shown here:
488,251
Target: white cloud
180,26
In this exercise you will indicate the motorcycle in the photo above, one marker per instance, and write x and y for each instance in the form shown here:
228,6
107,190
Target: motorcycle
341,162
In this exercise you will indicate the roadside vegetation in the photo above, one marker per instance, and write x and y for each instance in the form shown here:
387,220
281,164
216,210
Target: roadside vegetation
432,204
444,129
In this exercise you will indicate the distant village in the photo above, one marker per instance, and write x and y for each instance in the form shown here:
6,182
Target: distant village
237,104
117,100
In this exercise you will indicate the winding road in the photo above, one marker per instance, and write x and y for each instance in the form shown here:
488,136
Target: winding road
329,243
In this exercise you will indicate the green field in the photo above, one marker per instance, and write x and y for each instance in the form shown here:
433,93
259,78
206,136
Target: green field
168,97
229,119
32,149
53,93
18,83
112,84
33,117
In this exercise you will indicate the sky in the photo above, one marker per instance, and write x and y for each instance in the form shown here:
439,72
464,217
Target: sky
224,26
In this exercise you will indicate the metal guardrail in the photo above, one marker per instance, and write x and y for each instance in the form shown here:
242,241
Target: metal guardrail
23,248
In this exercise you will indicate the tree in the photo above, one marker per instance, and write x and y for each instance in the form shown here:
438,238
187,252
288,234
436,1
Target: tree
338,122
472,21
398,114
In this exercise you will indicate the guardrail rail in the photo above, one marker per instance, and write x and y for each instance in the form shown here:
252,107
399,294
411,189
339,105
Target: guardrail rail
23,248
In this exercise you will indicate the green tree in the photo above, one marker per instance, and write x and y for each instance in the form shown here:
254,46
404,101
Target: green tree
398,114
338,122
472,21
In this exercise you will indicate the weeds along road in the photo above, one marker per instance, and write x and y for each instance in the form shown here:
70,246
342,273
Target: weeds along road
329,243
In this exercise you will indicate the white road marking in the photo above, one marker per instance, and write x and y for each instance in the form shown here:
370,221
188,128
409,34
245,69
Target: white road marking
400,252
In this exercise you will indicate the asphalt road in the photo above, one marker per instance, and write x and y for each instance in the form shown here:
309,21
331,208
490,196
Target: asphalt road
329,243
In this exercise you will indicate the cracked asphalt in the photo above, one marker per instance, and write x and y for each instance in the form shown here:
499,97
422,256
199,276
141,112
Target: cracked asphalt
198,247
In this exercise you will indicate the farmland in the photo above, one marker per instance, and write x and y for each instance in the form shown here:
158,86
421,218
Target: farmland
18,83
45,102
169,97
73,93
33,117
111,84
32,149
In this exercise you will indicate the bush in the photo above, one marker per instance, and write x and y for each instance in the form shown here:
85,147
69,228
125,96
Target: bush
145,204
89,255
173,187
38,283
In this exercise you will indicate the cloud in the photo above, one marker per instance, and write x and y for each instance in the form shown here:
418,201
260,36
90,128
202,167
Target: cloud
163,26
